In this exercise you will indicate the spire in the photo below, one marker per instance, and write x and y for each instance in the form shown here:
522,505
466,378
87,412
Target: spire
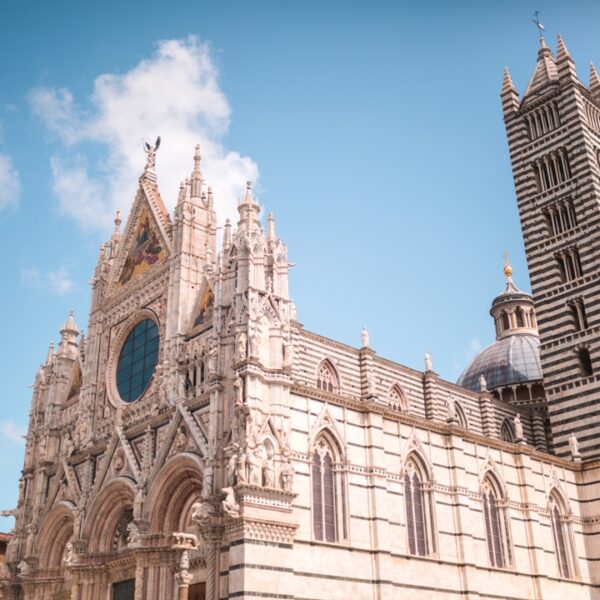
508,93
248,209
209,199
68,337
561,50
227,234
564,62
594,82
197,174
50,355
271,234
544,74
70,326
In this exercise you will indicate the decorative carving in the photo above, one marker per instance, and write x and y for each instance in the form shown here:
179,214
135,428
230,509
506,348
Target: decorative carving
287,472
119,460
202,513
241,345
230,504
133,534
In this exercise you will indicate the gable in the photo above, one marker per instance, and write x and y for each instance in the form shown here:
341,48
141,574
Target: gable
145,244
145,250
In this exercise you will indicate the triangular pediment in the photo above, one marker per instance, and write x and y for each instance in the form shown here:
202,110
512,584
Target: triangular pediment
146,241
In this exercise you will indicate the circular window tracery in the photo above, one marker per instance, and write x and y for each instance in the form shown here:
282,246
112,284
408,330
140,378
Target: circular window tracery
137,360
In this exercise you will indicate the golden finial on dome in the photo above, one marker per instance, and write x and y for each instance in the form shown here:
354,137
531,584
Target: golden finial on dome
507,268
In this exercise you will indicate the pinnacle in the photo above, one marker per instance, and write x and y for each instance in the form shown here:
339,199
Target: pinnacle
507,82
594,81
561,50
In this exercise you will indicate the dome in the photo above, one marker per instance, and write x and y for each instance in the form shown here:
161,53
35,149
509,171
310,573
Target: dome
512,360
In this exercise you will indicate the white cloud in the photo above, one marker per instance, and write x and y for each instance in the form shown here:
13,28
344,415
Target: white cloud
11,431
57,281
175,94
10,183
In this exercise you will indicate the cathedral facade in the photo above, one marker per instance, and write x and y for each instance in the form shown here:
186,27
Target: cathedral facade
199,443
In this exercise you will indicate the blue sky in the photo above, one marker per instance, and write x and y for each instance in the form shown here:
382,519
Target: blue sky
373,130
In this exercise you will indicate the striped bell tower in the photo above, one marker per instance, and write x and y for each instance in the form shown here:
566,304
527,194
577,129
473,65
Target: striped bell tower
554,141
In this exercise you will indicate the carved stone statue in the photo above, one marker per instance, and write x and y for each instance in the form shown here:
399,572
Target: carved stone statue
151,153
255,342
428,363
241,345
519,437
181,439
211,362
255,463
364,337
69,558
574,446
269,471
231,467
133,534
241,468
119,460
287,472
230,504
482,383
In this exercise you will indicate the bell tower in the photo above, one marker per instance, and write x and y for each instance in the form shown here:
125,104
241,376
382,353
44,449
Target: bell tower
554,141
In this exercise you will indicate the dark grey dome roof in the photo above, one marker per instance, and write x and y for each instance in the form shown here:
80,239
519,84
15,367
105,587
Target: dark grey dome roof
514,359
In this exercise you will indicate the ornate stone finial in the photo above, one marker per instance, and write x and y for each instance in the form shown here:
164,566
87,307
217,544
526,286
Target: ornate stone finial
209,198
248,198
428,363
594,81
50,355
196,178
227,234
507,268
117,221
364,337
151,154
271,220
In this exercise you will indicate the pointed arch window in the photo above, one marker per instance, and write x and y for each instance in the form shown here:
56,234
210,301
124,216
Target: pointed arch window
327,493
496,524
461,416
507,433
327,379
418,508
563,540
397,398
